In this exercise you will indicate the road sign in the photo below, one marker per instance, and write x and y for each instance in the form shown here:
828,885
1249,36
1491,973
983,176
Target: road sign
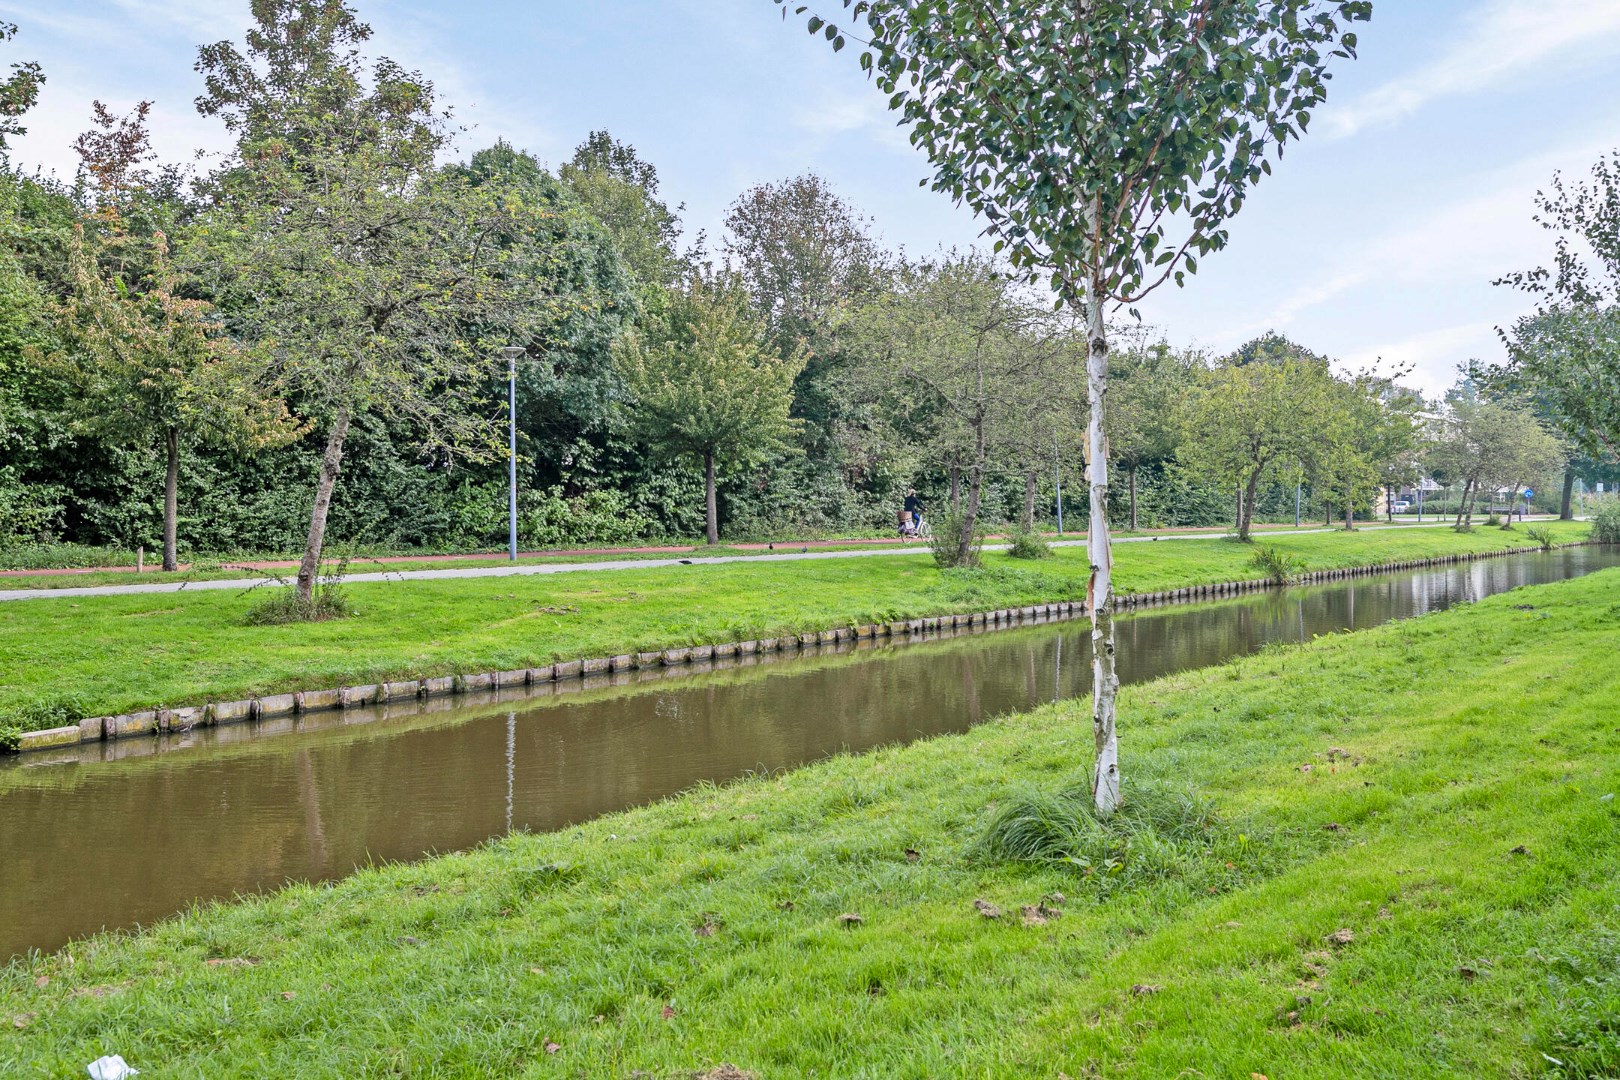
1528,492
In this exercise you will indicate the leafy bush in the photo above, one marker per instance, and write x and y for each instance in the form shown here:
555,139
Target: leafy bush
1542,536
1028,544
947,542
550,519
1606,522
1493,520
36,713
1280,567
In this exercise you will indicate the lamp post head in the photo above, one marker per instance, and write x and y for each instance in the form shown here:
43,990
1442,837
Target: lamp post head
512,353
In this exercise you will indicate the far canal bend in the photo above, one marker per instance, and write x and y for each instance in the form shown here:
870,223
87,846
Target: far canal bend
92,844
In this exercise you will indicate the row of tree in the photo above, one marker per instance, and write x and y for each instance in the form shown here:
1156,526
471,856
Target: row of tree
330,299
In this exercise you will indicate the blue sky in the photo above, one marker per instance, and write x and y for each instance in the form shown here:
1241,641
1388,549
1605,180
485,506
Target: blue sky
1377,238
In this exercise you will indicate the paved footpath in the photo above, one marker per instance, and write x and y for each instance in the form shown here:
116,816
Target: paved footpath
527,569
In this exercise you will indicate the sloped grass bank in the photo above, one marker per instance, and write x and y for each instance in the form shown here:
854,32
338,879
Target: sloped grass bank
123,653
1335,864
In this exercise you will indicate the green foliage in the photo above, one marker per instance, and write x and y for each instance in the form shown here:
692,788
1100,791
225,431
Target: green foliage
1280,567
958,541
1029,544
1082,184
1606,521
552,520
37,712
1544,537
18,92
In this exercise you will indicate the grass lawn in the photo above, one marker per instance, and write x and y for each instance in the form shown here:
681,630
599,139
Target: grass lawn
115,653
230,568
1387,854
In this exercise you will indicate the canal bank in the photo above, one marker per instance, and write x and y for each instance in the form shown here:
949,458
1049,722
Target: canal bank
118,833
1338,855
1018,592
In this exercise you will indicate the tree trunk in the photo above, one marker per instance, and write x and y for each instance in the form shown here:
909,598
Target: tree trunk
1389,503
1100,589
711,512
1028,520
1131,472
1349,512
956,488
331,461
1246,505
1566,505
171,509
970,519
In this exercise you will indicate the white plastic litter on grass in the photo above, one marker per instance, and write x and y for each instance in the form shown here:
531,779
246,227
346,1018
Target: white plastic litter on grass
111,1067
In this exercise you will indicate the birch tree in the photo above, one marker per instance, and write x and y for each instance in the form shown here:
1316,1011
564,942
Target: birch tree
1106,144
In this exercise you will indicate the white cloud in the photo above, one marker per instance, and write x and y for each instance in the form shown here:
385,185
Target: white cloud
1431,357
1479,237
1509,39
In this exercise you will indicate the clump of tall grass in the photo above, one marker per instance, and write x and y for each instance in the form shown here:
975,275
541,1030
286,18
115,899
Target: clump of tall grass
1158,836
1280,567
1542,536
37,713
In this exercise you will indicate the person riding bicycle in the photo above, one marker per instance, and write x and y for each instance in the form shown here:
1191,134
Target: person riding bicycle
911,517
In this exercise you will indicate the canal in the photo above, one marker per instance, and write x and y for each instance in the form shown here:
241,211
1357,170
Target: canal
122,834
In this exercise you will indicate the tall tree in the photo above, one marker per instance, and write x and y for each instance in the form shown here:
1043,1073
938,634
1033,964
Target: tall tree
707,383
370,280
1491,447
804,254
621,191
1083,132
1147,387
1567,354
1255,422
148,363
984,360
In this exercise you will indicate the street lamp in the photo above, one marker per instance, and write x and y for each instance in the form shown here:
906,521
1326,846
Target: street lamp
511,352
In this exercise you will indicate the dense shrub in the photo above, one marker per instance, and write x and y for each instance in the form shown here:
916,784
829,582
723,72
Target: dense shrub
596,517
1606,522
1028,544
946,543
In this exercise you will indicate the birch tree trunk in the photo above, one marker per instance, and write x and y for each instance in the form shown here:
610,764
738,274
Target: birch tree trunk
1100,589
171,508
711,512
331,462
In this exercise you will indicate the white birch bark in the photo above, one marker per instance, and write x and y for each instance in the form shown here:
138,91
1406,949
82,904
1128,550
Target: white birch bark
1100,590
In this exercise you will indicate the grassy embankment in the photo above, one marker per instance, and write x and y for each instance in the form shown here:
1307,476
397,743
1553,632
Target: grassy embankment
114,572
1388,854
114,653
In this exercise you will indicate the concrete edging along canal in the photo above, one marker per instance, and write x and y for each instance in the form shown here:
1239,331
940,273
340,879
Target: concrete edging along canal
159,721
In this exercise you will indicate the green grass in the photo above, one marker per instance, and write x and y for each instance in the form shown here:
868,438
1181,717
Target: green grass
224,568
1327,868
117,653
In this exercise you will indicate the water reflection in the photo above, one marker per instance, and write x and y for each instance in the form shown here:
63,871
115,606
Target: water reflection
95,843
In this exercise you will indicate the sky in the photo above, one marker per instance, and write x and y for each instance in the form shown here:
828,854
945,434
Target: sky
1375,242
